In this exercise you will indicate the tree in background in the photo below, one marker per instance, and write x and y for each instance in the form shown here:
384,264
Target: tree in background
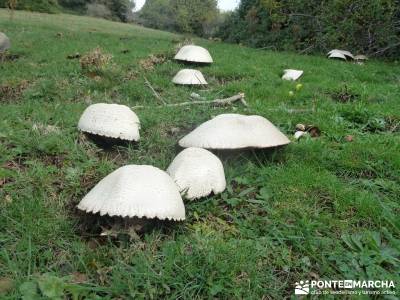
47,6
370,27
186,16
119,10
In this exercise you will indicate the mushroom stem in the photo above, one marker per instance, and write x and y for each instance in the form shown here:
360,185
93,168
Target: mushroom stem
220,102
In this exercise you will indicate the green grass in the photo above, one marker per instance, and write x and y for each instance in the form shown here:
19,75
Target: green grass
322,207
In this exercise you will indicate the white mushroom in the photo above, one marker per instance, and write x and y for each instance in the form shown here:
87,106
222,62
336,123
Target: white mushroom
194,54
189,77
299,134
234,131
5,43
198,173
360,57
110,120
336,53
136,191
290,74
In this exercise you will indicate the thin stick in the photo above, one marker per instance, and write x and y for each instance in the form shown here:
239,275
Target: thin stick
219,102
154,91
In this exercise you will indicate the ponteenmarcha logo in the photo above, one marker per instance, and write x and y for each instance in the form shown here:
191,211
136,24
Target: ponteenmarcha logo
345,287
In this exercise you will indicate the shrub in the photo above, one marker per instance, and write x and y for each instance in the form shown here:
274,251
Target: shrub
370,27
98,10
45,6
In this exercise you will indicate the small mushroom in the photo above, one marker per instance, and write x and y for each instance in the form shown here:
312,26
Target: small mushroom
314,131
5,43
336,53
301,127
235,131
195,54
189,77
290,74
136,191
110,120
299,134
198,173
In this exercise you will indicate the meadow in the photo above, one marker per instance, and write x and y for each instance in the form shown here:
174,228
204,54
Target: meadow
323,207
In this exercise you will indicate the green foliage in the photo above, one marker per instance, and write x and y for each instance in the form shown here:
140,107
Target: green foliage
186,16
361,26
46,6
120,10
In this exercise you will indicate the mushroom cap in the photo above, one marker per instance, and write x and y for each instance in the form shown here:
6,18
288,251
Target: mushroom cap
198,173
234,131
110,120
337,55
360,57
290,74
136,191
4,42
347,54
189,77
195,54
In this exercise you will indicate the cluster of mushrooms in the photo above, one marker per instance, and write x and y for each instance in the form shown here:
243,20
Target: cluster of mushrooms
142,191
346,55
196,55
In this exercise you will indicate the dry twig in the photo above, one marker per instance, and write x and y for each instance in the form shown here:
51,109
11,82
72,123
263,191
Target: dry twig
155,92
218,102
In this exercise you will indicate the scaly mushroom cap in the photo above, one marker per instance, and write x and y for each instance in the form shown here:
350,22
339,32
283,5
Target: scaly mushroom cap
198,173
110,120
5,43
136,191
194,54
234,131
189,77
337,52
292,74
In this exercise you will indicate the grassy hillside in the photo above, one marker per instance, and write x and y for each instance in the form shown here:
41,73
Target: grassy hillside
324,207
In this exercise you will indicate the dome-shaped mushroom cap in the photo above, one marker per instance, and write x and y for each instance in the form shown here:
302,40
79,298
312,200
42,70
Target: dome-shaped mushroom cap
198,173
136,191
189,77
292,74
234,131
337,55
195,54
4,42
110,120
346,53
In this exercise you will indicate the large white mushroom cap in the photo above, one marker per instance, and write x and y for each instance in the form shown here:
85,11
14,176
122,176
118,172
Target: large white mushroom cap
342,54
189,77
234,131
198,173
110,120
337,55
4,42
290,74
136,191
346,53
194,54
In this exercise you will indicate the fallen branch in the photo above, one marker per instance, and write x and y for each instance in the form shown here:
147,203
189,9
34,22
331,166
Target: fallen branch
218,102
154,91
